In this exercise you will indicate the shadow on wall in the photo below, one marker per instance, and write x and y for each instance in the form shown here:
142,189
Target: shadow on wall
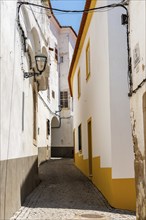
18,177
30,182
44,154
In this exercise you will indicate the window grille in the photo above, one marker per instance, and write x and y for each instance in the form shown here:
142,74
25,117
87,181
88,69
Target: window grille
64,99
56,53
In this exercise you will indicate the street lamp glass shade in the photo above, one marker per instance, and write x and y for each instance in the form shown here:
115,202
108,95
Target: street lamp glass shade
41,62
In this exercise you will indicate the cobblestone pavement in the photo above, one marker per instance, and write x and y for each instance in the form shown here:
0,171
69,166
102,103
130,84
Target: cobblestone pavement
66,194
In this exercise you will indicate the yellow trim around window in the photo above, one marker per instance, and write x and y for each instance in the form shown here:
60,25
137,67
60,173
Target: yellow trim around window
79,84
88,65
81,39
35,113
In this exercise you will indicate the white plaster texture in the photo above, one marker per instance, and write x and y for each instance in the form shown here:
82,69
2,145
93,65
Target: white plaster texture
104,97
138,36
17,92
63,136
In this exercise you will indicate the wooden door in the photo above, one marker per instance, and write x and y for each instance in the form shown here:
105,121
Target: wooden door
90,146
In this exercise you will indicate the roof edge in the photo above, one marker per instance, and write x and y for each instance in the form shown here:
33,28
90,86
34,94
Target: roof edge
49,2
81,29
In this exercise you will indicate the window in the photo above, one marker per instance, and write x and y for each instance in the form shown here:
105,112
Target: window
56,53
47,128
88,61
53,94
61,59
64,99
89,129
80,138
34,115
79,84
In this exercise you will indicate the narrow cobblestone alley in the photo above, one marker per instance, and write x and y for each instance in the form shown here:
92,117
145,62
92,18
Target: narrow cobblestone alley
65,193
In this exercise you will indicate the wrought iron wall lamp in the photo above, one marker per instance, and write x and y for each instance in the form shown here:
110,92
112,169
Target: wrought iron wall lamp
41,61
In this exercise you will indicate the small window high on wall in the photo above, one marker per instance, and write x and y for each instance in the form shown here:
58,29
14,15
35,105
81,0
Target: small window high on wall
79,84
35,102
64,99
53,94
56,53
47,128
61,59
88,68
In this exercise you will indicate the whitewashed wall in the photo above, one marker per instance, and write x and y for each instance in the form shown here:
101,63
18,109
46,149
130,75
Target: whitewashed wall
137,20
63,136
121,139
20,155
105,96
13,143
16,142
138,36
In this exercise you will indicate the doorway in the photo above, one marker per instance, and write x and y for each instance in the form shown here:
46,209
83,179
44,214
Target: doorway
89,127
74,142
35,109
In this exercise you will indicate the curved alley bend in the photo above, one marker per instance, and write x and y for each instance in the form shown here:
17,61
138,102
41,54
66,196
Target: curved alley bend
64,194
73,110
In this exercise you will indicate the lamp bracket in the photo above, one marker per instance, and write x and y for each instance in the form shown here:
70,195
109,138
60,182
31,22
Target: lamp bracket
124,19
30,74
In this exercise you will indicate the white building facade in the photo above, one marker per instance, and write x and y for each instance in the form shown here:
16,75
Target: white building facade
62,135
98,82
137,21
28,105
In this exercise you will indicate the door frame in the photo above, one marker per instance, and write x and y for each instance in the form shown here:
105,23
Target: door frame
74,141
89,135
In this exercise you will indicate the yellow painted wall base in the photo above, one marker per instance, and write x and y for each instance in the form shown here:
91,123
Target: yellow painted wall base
120,193
81,163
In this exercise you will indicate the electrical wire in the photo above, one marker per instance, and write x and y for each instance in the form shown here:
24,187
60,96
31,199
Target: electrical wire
104,9
37,12
138,87
54,113
91,10
21,29
72,11
64,13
